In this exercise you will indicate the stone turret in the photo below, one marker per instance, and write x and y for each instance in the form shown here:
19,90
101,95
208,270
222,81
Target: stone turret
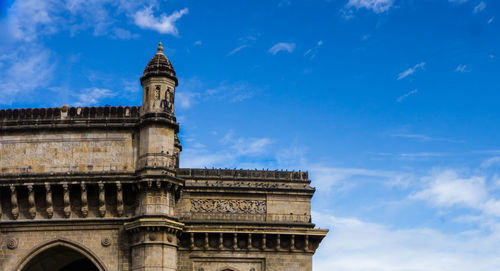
156,227
158,83
159,127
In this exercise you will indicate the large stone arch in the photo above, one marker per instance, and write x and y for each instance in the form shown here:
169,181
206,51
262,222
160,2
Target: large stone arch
58,244
227,268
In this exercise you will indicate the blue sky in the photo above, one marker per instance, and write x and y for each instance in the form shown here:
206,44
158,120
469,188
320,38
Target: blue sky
392,106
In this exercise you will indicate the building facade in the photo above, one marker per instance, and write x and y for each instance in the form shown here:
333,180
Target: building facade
100,188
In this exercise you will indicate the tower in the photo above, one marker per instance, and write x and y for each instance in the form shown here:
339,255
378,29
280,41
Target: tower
155,227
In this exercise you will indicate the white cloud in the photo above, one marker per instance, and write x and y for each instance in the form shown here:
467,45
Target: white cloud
490,20
197,43
377,6
446,189
92,96
480,7
462,68
29,19
411,70
282,46
356,245
404,96
164,24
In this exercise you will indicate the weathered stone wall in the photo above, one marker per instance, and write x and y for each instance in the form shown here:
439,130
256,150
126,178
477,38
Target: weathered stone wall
105,241
67,151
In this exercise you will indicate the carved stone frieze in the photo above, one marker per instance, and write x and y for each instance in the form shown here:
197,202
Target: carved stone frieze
233,206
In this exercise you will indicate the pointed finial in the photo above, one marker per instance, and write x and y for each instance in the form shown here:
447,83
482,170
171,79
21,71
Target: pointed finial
160,48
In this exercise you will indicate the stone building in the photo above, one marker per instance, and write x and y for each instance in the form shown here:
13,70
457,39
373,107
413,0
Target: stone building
100,188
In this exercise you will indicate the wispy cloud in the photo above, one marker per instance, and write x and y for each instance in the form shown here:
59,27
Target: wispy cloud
246,146
192,91
377,6
283,3
411,70
282,46
233,151
490,20
92,96
479,7
164,24
25,69
490,162
422,137
462,69
327,177
232,92
404,96
237,49
311,53
244,42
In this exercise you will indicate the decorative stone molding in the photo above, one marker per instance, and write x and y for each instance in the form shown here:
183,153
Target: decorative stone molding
233,206
235,241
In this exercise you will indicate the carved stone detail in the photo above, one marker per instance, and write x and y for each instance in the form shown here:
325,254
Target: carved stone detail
31,202
48,200
119,199
13,202
66,201
232,206
106,242
85,203
102,200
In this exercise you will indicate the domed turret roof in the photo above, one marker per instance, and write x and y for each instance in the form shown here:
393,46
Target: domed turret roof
159,66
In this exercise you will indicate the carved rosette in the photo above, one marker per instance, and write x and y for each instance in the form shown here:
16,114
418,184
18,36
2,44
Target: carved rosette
12,243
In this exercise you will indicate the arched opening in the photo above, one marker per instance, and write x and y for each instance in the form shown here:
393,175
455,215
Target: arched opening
60,258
